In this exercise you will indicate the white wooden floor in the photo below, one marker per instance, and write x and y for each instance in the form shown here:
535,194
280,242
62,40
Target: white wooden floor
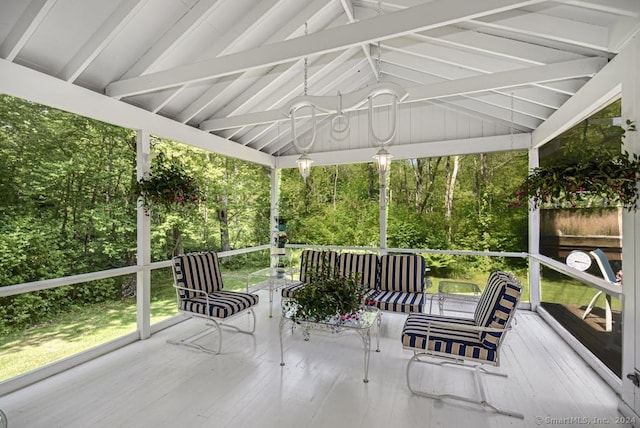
154,384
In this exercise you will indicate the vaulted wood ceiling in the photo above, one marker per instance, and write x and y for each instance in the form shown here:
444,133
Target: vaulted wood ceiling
480,75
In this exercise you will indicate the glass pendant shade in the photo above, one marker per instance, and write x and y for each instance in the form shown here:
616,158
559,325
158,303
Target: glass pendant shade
383,159
304,165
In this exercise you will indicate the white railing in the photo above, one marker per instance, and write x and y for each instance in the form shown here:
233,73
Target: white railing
28,287
43,372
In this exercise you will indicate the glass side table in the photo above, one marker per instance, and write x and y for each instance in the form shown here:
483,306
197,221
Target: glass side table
458,291
274,278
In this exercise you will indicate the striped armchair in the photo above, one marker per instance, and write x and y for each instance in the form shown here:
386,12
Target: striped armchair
199,289
456,340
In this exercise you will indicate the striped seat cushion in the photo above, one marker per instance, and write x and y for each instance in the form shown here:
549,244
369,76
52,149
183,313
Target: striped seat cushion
447,340
496,305
222,304
396,301
289,290
197,271
403,273
312,263
364,267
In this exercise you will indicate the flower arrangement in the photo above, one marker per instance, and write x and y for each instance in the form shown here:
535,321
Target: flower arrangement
168,184
611,180
331,297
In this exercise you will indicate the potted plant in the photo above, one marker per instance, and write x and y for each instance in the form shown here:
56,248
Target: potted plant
328,297
596,178
168,184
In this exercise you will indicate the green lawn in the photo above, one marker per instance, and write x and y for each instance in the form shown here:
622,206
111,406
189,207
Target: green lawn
88,326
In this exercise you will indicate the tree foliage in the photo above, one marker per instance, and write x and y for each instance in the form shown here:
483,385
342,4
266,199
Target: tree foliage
68,206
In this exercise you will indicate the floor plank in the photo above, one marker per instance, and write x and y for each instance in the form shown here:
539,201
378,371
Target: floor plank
154,384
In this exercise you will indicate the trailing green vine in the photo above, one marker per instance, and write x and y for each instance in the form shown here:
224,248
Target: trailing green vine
600,179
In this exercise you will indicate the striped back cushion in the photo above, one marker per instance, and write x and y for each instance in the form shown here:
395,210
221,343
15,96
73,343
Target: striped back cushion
402,273
312,261
362,266
497,305
197,271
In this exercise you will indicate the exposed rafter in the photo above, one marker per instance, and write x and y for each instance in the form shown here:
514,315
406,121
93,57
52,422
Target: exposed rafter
101,38
418,18
482,83
25,27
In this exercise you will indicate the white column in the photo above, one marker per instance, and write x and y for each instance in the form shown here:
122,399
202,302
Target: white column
534,242
275,212
383,212
143,281
630,394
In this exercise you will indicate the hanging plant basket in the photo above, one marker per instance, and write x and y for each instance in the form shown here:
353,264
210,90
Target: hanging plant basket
611,181
169,185
598,180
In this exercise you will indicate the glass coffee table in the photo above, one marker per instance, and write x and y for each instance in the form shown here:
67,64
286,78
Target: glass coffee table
367,319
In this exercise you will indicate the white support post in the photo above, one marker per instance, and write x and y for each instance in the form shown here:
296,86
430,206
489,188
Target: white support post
383,212
534,242
629,403
143,280
275,212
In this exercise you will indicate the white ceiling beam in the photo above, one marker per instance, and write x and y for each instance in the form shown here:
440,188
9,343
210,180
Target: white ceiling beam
494,97
500,47
318,11
464,58
630,8
25,27
546,98
249,137
347,5
600,90
551,28
622,32
481,83
500,143
430,15
28,84
220,46
248,21
341,65
267,90
501,114
512,78
172,38
109,30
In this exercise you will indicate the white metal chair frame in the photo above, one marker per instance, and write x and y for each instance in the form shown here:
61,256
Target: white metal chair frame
458,362
433,329
212,323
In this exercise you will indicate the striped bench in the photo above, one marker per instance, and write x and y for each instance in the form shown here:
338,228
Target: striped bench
199,289
395,283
